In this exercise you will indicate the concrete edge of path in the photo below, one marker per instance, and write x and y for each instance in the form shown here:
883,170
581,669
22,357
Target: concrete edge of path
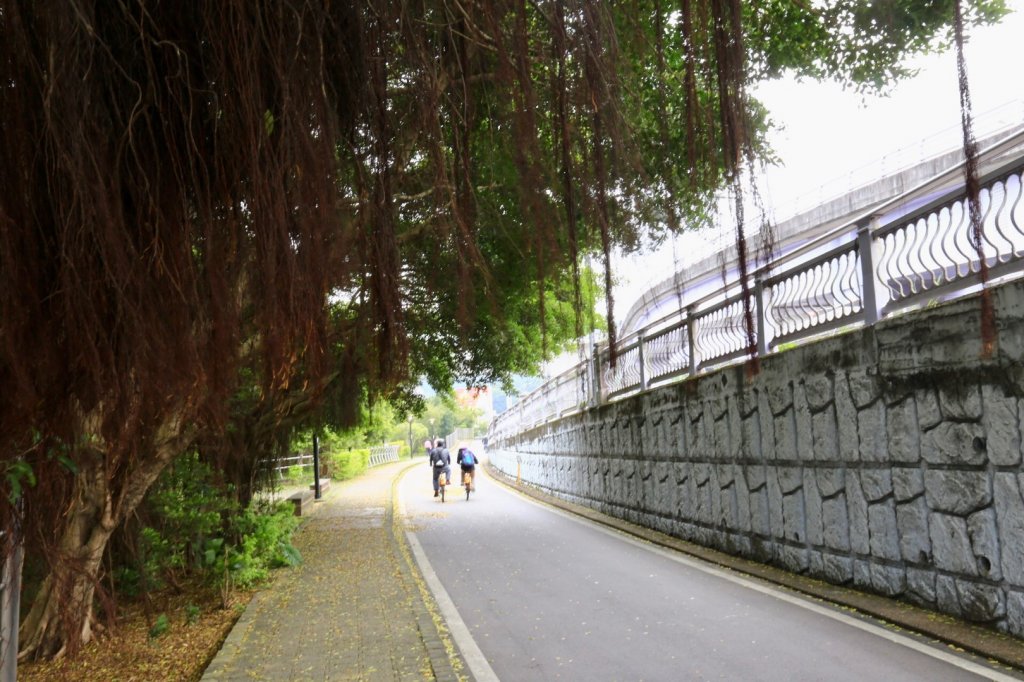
236,639
444,657
958,634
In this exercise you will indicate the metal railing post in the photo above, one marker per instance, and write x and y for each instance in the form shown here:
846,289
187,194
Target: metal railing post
691,336
873,292
640,358
762,318
596,364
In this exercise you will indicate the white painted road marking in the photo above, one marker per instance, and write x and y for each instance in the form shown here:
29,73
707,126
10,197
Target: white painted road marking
475,659
482,671
878,631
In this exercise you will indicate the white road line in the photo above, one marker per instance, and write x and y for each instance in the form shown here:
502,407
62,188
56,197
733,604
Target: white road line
969,666
475,659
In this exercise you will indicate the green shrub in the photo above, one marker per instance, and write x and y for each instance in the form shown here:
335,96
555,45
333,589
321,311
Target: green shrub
161,626
186,508
129,581
265,544
349,464
298,473
158,558
196,529
191,614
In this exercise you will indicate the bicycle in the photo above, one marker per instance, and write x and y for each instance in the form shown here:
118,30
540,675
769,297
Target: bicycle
467,481
442,481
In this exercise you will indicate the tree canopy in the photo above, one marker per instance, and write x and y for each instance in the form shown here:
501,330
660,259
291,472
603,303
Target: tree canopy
213,214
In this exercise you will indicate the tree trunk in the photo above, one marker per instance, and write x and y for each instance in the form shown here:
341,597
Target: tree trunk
61,618
61,614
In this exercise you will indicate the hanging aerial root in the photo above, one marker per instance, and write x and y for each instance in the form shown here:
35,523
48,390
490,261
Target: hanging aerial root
973,187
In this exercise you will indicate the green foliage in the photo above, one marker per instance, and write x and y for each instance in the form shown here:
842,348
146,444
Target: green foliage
212,550
159,558
18,475
860,43
330,440
192,613
298,473
346,454
160,626
442,414
198,530
129,581
347,464
265,544
187,509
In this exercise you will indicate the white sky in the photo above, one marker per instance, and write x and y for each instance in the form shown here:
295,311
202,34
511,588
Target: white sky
831,140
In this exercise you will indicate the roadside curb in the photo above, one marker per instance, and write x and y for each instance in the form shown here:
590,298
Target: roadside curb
410,636
958,635
237,638
445,660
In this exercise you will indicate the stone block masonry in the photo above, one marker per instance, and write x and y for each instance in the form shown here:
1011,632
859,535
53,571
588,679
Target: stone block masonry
888,458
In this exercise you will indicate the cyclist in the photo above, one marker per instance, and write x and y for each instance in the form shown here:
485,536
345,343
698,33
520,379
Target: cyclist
467,460
440,462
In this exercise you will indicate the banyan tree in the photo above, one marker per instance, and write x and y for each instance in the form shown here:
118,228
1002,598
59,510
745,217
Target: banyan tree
189,189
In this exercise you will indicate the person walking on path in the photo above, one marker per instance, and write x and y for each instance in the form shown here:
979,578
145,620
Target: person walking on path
353,610
440,462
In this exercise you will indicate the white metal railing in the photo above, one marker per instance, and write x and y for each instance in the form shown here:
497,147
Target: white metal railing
283,464
382,454
907,252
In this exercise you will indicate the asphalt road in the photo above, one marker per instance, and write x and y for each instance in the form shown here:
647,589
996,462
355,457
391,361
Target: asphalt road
531,593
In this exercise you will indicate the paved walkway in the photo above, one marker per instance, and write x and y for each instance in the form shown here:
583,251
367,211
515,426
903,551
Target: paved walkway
356,609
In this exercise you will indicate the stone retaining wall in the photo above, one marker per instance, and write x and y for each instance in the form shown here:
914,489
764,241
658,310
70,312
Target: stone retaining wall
887,458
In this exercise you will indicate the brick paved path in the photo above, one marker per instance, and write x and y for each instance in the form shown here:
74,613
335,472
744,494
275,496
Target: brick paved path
354,610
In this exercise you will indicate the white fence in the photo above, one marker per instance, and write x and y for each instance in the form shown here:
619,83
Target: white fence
908,252
459,435
285,463
382,454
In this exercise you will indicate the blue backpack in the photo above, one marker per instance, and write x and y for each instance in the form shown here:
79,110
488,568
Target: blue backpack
468,459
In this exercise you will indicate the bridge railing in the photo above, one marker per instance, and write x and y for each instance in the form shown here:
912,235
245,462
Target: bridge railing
911,251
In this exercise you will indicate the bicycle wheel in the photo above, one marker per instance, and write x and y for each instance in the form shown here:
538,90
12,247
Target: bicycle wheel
467,492
442,493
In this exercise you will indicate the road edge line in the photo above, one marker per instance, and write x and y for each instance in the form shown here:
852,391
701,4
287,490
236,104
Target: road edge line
755,572
445,662
452,629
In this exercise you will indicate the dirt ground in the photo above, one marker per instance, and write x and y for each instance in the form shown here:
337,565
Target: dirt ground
128,653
